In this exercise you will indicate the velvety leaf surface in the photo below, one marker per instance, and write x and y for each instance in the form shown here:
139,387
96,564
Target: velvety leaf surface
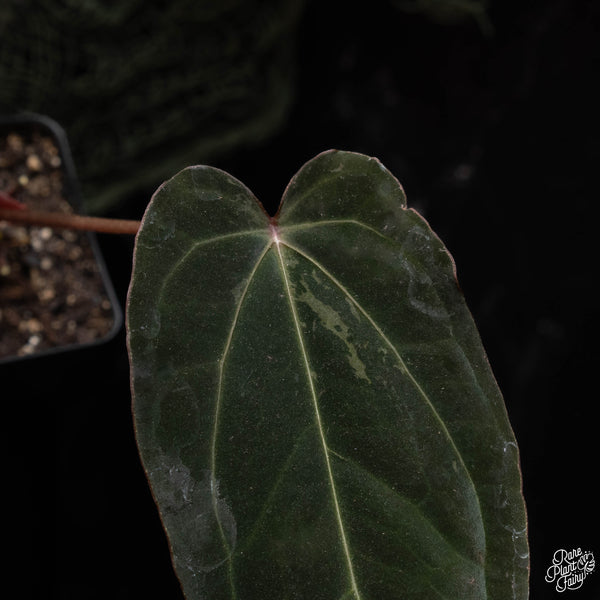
312,402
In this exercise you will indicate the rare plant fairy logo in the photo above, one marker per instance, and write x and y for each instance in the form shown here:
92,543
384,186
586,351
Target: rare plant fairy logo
569,569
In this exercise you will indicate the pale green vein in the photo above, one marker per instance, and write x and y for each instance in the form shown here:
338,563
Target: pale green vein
205,242
283,471
319,422
330,222
386,488
399,358
219,396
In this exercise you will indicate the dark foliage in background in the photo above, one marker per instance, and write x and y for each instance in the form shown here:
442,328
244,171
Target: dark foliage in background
145,88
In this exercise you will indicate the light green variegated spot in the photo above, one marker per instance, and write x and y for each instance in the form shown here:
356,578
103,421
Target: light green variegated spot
313,405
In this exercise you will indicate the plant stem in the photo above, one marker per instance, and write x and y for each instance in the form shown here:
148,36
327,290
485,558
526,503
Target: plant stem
68,221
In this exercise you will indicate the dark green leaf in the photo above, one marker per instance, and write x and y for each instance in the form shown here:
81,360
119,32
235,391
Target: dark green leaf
313,405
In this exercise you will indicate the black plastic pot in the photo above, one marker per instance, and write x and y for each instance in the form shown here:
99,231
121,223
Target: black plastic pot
27,123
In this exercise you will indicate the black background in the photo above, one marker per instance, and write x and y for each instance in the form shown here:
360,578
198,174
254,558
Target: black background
496,143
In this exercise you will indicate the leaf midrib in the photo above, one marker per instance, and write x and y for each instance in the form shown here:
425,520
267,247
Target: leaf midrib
315,402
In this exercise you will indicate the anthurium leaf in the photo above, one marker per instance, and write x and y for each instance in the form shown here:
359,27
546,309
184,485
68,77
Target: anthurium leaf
313,405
